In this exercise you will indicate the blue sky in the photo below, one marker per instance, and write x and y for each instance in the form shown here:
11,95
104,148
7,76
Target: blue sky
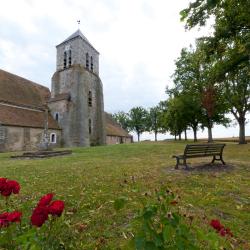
138,41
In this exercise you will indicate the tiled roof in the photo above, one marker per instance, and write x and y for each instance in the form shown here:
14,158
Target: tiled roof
113,128
20,91
17,116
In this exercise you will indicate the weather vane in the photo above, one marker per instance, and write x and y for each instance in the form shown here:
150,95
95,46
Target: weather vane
78,21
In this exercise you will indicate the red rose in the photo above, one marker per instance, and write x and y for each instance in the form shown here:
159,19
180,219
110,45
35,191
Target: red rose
2,183
39,216
45,200
3,220
222,232
56,208
14,216
216,225
9,187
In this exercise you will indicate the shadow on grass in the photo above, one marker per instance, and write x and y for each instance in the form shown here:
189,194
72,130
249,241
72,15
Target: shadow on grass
203,167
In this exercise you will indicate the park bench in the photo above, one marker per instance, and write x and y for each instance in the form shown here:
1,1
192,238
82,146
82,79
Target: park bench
200,150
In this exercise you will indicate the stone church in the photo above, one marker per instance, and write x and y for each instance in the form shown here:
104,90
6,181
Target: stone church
73,112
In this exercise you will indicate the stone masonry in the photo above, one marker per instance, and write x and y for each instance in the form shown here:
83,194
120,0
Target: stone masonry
77,93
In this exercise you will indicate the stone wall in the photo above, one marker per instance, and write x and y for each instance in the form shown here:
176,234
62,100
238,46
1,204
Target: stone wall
76,113
118,139
25,139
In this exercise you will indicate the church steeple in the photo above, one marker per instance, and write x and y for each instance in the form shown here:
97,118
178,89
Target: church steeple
77,50
77,93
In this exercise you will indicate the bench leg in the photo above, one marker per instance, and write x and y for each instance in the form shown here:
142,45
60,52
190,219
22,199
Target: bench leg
185,164
213,159
177,163
222,160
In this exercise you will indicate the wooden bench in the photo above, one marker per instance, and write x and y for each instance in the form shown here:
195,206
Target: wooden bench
200,150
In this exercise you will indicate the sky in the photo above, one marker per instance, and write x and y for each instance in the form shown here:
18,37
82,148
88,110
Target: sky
138,41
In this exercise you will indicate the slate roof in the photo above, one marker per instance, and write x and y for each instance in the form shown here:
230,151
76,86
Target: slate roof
76,34
113,128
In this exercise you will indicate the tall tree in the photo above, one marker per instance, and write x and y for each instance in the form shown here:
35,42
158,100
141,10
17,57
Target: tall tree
229,48
154,121
237,93
138,120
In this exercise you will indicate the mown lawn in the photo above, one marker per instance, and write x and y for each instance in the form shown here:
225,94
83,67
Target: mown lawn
92,178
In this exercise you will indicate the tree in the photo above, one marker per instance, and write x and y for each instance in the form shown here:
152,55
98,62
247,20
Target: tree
230,40
138,120
237,93
229,48
122,118
154,121
192,79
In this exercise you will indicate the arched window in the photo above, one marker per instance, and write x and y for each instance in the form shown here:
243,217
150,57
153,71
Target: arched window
69,58
57,117
87,60
90,126
91,63
53,138
65,60
90,99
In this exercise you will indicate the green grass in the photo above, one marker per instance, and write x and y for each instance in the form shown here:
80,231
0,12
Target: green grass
92,178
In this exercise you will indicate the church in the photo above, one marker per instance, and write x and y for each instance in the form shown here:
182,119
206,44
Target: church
72,114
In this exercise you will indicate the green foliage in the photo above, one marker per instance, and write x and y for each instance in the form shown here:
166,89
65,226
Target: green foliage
122,118
138,120
192,79
160,225
155,120
228,50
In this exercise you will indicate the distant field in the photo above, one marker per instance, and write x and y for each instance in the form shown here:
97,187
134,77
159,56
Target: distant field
92,178
232,139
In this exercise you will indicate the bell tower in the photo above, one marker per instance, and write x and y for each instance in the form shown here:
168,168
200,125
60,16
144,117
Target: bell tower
77,93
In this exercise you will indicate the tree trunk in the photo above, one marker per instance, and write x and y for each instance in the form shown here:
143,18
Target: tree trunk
195,134
242,138
155,135
138,136
185,131
179,136
209,128
241,121
175,136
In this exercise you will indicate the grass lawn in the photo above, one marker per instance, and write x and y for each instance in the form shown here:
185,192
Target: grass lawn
92,178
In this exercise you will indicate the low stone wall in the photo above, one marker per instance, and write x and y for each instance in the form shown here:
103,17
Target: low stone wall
111,139
25,138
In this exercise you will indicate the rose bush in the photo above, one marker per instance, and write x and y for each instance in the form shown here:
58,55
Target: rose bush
13,235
